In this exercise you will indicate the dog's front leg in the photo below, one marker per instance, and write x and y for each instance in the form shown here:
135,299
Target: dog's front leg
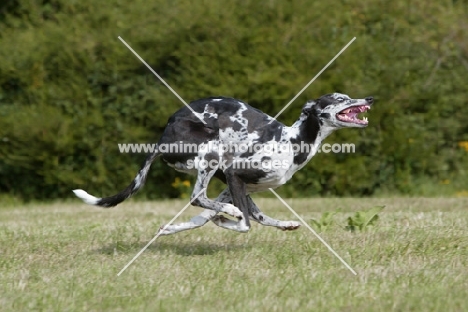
263,219
237,192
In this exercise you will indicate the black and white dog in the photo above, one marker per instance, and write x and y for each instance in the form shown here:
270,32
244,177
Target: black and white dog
246,149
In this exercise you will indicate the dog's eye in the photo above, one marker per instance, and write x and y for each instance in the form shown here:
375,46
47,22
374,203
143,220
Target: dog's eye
340,99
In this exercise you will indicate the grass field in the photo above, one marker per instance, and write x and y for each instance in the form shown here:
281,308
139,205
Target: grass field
65,257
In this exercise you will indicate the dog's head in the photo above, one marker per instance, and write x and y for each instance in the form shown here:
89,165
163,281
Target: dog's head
339,110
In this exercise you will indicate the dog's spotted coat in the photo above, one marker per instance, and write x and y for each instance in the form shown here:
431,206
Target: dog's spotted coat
230,121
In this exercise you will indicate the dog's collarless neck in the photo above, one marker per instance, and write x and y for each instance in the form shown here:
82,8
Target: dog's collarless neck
308,129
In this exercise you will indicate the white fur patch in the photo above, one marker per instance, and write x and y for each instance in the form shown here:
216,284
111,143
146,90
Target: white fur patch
340,95
137,180
87,198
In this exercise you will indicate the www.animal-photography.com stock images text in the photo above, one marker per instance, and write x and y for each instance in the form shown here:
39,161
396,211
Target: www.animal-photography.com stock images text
233,155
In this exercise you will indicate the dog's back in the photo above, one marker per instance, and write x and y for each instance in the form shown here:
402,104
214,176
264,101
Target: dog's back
227,121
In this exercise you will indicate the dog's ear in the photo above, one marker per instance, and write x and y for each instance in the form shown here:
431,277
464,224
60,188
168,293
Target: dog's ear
309,108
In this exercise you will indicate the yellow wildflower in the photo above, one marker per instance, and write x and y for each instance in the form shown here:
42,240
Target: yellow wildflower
464,145
462,194
176,182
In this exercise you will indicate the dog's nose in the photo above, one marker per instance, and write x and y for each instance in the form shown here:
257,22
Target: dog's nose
370,99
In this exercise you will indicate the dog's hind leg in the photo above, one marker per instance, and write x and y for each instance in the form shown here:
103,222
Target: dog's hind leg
199,220
204,177
202,218
194,223
213,207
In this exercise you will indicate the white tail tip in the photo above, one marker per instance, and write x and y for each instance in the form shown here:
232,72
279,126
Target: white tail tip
87,198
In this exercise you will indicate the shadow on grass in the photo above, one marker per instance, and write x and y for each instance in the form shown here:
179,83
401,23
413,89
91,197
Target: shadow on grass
179,248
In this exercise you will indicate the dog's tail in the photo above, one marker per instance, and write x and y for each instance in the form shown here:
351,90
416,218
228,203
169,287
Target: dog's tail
116,199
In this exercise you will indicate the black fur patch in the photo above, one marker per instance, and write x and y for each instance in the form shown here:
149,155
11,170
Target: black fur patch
309,131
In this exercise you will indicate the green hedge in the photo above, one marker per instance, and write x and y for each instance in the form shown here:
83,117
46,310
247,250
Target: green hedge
70,90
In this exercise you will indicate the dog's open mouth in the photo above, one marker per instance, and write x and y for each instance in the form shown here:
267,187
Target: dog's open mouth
351,114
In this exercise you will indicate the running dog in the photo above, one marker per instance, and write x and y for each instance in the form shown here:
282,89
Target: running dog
263,162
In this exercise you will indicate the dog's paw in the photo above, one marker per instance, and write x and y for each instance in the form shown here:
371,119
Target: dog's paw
232,211
165,230
289,226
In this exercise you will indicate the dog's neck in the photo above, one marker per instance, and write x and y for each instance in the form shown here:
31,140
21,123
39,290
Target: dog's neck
311,130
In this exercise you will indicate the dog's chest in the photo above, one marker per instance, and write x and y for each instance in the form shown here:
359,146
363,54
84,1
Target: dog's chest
282,162
282,173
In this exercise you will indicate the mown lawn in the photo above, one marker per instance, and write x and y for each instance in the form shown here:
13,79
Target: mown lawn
65,257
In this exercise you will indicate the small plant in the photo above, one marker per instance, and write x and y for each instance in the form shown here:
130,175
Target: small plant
364,219
325,221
